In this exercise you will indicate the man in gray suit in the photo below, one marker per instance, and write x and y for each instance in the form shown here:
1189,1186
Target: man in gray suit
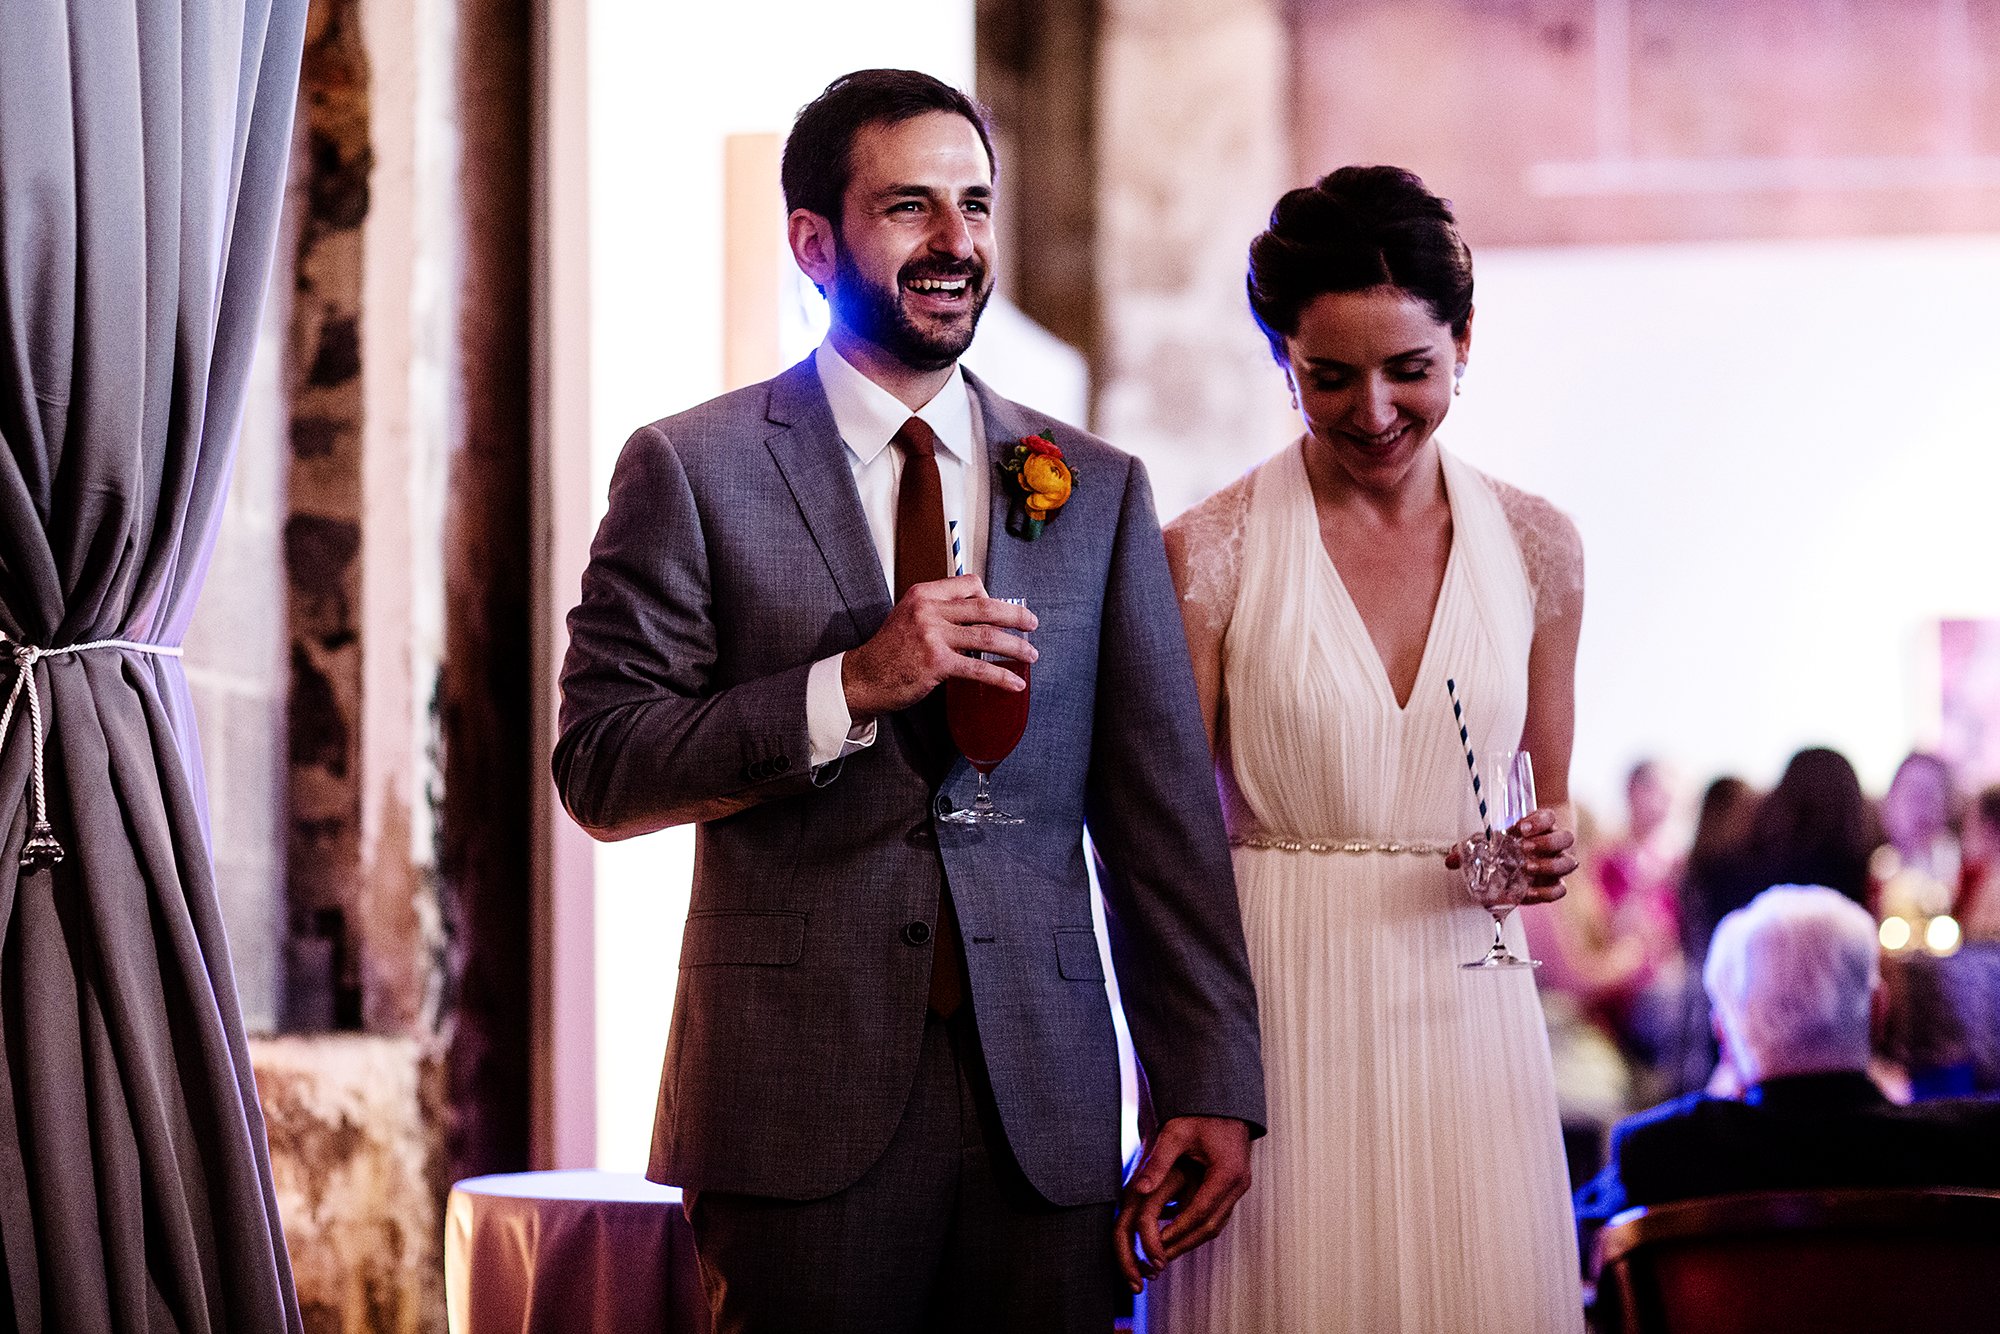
891,1087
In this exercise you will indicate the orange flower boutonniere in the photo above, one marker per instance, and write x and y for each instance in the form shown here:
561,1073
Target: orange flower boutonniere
1043,480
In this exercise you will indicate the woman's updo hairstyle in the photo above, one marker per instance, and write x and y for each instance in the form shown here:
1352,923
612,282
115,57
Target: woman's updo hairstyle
1358,228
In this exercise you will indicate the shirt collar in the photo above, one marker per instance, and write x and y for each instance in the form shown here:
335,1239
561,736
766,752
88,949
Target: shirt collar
868,416
1845,1088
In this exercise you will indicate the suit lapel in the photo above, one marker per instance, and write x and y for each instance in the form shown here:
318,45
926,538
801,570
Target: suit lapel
1006,425
807,448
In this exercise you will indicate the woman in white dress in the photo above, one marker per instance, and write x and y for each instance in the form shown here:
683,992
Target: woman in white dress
1413,1178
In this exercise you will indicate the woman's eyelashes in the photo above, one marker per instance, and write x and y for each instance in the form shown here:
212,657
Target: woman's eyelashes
1402,373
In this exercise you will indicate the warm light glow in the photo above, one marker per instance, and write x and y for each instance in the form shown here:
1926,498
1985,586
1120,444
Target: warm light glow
1941,935
1895,933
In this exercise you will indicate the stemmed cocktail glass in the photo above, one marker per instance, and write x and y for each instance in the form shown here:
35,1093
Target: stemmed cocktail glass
986,723
1495,863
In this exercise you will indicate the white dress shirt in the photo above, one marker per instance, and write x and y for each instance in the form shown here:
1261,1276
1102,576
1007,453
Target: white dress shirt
868,417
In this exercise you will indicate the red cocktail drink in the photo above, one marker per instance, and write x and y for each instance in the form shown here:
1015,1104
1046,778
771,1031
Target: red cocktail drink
986,721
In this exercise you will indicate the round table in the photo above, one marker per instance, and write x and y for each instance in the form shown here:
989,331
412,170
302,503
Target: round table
576,1252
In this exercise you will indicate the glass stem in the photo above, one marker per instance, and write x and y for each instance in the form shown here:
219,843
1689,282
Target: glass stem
982,798
1499,939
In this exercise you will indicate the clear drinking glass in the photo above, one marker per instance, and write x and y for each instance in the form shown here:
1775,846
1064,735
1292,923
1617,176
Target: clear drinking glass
986,723
1495,865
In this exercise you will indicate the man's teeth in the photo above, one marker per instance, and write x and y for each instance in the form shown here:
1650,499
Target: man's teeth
951,286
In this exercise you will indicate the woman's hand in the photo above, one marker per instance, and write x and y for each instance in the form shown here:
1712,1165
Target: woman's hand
1547,846
1547,849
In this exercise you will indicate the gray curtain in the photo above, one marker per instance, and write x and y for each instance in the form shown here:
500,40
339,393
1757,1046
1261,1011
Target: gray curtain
142,164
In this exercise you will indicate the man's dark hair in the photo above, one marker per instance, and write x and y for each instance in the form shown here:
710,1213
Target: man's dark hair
819,152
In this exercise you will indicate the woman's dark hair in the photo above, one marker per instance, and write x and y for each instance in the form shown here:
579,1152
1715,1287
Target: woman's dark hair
1358,228
1719,874
819,152
1723,824
1986,808
1817,827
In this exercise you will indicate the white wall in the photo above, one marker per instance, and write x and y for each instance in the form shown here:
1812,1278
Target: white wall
1783,461
667,83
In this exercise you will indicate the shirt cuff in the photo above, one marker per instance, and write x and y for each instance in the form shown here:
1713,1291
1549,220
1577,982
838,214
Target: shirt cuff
830,727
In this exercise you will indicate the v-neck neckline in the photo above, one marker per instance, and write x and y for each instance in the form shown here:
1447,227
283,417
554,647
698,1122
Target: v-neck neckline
1346,599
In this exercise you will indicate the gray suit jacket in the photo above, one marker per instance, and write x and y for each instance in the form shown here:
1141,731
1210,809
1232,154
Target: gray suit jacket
734,555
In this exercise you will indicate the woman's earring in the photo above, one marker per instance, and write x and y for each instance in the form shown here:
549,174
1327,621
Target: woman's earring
1458,379
1293,386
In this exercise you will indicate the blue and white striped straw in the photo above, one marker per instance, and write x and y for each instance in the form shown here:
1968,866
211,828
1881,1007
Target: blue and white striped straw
1471,765
957,549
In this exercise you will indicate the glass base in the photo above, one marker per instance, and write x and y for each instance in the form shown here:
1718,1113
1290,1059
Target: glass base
1504,960
973,815
1497,953
982,810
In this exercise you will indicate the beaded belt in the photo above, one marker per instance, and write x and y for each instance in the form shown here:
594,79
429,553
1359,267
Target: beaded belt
1355,846
42,848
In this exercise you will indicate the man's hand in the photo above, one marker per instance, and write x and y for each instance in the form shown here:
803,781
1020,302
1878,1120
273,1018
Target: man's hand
1208,1155
926,639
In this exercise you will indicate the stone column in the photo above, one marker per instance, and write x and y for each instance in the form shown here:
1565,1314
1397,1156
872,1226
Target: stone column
406,558
1193,148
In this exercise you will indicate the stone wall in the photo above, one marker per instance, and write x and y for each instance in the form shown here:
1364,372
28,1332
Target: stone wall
358,1180
1192,149
1592,121
324,529
377,540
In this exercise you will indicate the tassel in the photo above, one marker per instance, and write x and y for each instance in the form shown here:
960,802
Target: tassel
42,847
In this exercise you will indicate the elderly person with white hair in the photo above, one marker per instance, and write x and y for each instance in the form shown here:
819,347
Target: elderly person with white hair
1793,980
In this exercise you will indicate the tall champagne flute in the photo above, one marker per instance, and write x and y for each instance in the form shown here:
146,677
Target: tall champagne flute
986,723
1495,864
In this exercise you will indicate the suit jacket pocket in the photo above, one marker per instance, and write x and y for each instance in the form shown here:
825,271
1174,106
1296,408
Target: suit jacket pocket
771,939
1076,954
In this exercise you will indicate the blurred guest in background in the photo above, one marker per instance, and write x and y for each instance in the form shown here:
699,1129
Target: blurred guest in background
1640,871
1815,828
1794,981
1715,865
1586,969
1978,905
1977,908
1715,862
1640,875
1940,917
1916,869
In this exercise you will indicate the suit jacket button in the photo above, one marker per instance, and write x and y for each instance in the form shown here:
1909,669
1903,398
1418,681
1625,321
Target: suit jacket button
782,763
917,933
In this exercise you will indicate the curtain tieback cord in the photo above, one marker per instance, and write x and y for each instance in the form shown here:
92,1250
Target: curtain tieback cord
42,847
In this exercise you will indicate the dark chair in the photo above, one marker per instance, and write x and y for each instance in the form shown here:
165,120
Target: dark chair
1825,1261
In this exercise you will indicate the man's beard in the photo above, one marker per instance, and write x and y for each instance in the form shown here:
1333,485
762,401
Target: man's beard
875,313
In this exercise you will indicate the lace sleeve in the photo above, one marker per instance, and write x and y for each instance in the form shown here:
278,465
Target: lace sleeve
1205,552
1551,551
1205,549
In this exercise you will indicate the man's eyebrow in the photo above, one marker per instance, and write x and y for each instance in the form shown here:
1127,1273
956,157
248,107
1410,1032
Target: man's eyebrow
915,191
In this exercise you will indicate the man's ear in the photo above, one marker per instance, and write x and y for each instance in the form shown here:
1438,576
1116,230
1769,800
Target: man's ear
814,241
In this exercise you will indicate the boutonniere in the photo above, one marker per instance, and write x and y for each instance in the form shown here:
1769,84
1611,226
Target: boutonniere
1041,478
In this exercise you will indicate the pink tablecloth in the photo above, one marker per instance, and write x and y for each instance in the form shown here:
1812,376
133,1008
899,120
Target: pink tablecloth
569,1252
